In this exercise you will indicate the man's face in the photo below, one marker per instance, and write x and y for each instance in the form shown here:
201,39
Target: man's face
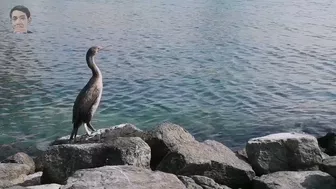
20,21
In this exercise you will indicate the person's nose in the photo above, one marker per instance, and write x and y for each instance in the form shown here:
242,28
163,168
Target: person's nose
18,21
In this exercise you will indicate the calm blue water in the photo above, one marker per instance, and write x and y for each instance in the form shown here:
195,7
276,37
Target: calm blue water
225,70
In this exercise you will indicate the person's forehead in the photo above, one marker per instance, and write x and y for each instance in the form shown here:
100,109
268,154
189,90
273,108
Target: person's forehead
18,13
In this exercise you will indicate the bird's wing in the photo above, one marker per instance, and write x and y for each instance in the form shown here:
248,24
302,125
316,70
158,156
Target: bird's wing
84,101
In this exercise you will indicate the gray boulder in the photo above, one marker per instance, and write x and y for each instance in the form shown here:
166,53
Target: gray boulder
329,165
105,134
126,177
200,182
130,151
61,161
22,158
164,137
295,180
283,152
99,136
182,155
12,174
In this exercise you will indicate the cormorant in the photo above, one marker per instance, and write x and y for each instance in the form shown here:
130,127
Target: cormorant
89,97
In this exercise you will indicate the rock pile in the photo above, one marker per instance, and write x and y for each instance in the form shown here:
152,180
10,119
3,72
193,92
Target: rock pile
169,157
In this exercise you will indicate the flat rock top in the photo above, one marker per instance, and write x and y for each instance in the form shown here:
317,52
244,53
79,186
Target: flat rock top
282,136
125,129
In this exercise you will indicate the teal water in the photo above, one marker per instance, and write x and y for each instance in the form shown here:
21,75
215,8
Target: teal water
224,70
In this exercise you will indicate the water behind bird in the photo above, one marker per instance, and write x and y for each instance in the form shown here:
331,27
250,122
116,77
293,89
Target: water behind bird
225,70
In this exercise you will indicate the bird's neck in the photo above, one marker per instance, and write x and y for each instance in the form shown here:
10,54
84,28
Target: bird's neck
92,65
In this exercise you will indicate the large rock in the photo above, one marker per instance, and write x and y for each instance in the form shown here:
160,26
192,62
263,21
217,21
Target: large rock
12,174
60,161
126,177
283,152
295,180
200,182
182,155
22,158
105,134
329,165
130,151
165,137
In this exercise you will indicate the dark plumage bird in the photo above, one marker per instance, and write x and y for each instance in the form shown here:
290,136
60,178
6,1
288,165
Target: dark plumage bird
89,97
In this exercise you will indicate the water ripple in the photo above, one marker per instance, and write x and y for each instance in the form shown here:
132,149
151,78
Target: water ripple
224,70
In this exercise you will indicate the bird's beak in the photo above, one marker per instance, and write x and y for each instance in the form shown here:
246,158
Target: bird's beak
105,48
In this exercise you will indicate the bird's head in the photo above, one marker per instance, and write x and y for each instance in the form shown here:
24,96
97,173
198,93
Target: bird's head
94,50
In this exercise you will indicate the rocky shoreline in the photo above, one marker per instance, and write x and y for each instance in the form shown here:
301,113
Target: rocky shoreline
169,157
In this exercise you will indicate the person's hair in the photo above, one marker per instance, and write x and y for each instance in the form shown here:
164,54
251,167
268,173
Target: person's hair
20,8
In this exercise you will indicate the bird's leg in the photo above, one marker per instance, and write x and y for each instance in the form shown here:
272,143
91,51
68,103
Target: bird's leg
73,135
86,129
74,132
91,127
